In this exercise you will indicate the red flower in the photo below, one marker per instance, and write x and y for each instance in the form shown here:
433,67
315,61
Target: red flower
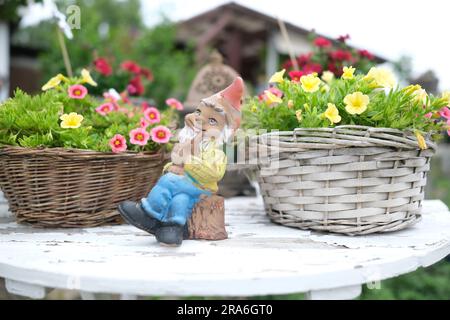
341,55
135,87
333,68
131,66
102,66
322,42
296,75
343,38
304,59
366,54
287,65
312,67
147,73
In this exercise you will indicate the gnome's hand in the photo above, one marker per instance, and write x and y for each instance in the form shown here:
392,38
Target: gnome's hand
176,170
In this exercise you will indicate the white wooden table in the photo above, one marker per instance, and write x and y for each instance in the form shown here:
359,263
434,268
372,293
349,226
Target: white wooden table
259,258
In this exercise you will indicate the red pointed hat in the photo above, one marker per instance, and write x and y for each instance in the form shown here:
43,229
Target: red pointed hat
230,99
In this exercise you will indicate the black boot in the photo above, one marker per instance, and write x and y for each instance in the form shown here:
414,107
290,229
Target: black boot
170,235
134,214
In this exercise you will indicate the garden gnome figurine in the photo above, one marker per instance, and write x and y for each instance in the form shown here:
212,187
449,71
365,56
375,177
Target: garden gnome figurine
198,164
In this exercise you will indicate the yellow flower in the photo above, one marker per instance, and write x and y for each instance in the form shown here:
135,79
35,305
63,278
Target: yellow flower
356,103
87,78
310,83
327,76
348,73
411,88
332,113
71,120
421,96
381,77
54,82
277,77
271,98
254,108
298,115
290,104
421,140
446,96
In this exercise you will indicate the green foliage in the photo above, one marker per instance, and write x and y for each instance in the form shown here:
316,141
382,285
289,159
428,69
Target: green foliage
34,121
400,108
429,283
123,37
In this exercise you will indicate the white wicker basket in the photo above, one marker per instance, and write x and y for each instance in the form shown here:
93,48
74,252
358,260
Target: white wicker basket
349,179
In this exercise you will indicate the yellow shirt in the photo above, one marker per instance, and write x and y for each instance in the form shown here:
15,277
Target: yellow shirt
208,168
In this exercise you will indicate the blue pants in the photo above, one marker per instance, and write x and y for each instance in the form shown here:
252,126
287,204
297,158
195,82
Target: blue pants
172,199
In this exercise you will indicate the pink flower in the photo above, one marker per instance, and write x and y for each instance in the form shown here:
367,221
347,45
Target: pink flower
135,86
152,115
445,112
276,92
77,91
273,90
105,108
448,127
112,96
143,123
139,136
429,115
174,103
145,105
160,134
118,143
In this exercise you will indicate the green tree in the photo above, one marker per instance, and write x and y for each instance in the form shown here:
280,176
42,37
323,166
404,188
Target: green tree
114,29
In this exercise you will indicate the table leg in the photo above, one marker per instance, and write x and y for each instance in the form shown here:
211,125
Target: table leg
25,289
343,293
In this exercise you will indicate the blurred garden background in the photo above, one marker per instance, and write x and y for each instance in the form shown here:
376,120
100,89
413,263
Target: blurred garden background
154,49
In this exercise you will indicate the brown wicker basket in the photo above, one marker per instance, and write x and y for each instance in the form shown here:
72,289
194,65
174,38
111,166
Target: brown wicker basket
349,179
56,187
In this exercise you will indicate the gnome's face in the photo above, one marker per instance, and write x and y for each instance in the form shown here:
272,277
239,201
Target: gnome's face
217,116
209,119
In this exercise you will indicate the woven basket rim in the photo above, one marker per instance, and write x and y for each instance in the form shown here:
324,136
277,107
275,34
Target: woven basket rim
406,135
405,132
77,153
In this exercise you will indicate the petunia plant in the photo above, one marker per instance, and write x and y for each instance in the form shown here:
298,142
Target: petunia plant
373,99
65,115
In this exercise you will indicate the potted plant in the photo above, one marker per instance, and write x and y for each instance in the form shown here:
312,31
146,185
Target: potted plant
348,154
67,159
